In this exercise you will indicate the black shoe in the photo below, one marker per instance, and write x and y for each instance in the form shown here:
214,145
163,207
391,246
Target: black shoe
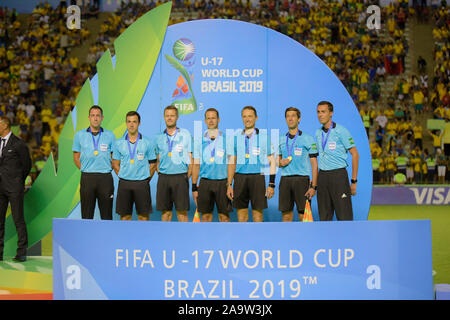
20,258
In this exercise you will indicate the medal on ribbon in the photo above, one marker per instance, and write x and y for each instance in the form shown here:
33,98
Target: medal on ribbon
289,150
132,153
95,142
213,151
170,143
324,141
247,146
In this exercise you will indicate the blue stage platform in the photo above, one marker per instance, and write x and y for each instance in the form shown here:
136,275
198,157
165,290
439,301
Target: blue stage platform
270,260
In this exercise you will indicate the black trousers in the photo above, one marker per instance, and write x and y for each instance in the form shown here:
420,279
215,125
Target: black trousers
93,187
16,201
334,195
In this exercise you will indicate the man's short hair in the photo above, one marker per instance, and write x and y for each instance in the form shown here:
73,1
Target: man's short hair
329,104
96,107
171,107
293,109
249,108
213,110
6,120
133,113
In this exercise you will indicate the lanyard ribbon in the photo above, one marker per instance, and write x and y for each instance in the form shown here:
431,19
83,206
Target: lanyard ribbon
213,151
324,142
170,143
248,144
93,139
134,149
289,150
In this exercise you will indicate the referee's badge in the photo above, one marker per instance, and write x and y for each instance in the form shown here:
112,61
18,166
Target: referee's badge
298,151
256,151
140,156
220,153
332,145
103,147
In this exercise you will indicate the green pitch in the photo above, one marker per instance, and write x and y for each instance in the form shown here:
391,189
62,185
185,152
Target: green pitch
440,231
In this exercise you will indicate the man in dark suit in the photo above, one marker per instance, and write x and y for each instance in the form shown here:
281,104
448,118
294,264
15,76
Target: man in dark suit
15,165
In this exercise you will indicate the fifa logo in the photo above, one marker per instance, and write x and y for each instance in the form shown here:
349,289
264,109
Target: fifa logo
183,95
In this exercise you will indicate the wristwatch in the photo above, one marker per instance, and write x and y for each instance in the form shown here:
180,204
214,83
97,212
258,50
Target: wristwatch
354,181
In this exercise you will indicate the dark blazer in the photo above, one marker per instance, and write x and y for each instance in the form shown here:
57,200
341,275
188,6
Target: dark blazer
15,164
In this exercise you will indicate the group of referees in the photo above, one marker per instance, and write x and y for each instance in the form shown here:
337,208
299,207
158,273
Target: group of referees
226,172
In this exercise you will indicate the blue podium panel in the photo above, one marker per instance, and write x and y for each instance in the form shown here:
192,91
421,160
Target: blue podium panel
271,260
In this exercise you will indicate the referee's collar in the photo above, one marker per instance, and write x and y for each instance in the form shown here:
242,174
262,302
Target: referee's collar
206,134
292,136
165,130
87,130
333,124
256,130
140,136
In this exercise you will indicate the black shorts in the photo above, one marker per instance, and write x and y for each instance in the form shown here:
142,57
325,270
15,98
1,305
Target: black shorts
172,188
133,191
210,192
293,189
249,187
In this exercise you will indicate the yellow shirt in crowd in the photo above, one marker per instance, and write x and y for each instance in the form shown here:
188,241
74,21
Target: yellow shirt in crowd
417,132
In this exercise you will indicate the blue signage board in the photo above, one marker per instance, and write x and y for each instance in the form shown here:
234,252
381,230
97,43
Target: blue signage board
415,195
242,261
229,64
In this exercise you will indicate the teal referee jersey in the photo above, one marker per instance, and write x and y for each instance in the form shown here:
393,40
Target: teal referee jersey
212,155
333,146
301,149
95,150
134,159
251,151
174,151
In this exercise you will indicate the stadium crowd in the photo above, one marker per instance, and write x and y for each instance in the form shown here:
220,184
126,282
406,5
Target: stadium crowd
39,79
398,147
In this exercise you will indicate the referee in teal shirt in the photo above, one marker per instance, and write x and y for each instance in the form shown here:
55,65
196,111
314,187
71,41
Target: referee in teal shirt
252,152
210,165
174,154
92,148
134,161
297,156
334,191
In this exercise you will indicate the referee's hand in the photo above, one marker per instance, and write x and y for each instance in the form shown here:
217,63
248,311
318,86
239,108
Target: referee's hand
310,193
230,193
284,162
269,192
195,196
353,189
